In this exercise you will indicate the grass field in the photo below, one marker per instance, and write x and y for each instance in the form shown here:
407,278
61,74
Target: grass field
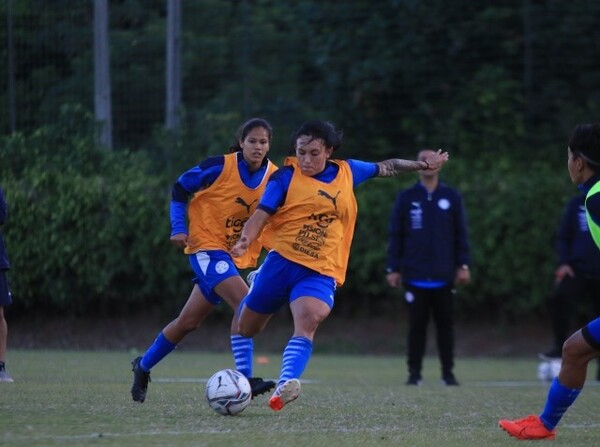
71,398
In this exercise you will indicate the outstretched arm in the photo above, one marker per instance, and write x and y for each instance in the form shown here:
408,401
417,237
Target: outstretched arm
250,232
397,166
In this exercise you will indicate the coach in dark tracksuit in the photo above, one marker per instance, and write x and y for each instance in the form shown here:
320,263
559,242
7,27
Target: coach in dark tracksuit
428,255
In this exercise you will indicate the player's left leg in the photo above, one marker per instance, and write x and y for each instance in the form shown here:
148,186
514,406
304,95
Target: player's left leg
442,303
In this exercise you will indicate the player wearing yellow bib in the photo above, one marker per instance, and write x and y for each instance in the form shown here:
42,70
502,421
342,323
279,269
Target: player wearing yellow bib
210,205
311,210
583,164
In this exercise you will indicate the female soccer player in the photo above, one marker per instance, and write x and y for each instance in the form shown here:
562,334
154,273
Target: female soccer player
311,210
219,196
583,164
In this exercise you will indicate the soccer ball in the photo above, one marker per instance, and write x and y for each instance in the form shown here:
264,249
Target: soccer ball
228,392
548,370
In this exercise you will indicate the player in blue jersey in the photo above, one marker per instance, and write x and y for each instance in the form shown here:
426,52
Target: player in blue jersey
584,345
209,206
311,210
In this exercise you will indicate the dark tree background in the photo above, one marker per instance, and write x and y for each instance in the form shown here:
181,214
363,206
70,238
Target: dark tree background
499,84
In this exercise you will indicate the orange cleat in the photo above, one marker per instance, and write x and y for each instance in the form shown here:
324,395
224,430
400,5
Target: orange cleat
287,392
527,428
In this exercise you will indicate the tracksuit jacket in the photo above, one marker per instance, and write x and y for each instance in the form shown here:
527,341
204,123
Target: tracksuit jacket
574,241
428,234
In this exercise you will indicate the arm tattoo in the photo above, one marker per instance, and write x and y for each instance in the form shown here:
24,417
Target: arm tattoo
397,166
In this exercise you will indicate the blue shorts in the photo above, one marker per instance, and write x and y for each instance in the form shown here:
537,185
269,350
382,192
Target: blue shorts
212,267
279,281
5,295
591,333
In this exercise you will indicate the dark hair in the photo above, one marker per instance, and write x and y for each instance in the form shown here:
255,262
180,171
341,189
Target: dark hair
320,130
246,128
585,141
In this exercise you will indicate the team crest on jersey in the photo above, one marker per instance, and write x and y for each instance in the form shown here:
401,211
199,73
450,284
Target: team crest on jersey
443,204
221,267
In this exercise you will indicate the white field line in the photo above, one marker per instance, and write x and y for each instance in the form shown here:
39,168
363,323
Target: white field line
518,383
174,433
202,380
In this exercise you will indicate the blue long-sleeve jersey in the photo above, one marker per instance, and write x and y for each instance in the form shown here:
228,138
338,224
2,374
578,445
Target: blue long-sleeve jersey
428,234
574,243
201,177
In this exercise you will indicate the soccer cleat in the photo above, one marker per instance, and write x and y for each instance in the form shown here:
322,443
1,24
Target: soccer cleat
552,354
527,428
449,380
414,379
260,386
5,376
140,381
285,393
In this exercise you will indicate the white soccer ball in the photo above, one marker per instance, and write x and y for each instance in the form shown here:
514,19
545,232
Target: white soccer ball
548,370
228,392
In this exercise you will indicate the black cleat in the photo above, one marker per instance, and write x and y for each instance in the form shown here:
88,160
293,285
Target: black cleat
260,386
414,379
140,381
449,380
552,354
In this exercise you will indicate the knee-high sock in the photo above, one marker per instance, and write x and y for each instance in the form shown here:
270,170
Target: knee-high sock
559,399
156,352
295,358
243,351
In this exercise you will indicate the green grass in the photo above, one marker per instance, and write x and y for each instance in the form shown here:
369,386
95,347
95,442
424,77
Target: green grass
70,398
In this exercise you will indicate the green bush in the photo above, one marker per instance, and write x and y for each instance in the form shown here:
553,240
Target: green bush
88,229
513,210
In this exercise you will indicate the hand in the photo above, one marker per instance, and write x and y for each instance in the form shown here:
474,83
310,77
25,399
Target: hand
463,276
179,240
240,247
436,160
562,271
394,279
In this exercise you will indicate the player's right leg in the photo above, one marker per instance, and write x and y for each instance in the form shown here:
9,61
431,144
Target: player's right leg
233,290
418,318
578,350
191,317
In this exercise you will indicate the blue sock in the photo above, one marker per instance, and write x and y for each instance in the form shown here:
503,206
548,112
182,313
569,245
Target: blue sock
559,399
155,353
243,351
295,358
